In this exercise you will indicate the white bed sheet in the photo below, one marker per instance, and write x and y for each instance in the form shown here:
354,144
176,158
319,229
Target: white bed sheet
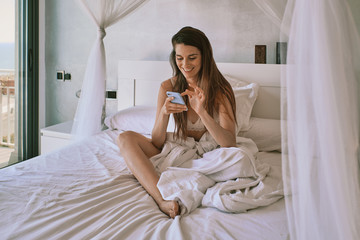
84,191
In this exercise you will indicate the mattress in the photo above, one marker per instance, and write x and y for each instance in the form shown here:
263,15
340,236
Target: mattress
85,191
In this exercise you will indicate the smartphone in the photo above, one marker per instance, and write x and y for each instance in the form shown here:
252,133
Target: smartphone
177,97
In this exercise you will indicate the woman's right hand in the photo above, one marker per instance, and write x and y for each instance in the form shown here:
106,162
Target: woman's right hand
170,107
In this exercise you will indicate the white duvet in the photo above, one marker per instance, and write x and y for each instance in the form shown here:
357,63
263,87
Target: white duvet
84,191
201,174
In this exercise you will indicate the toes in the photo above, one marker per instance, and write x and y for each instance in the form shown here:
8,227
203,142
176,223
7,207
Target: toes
170,208
175,210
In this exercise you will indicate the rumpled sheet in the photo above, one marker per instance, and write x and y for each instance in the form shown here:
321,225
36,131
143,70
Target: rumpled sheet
202,174
85,191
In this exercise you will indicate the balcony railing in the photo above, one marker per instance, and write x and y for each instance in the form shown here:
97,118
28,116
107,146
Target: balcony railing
7,103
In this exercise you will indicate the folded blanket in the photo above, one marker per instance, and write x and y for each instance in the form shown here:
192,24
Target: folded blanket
200,173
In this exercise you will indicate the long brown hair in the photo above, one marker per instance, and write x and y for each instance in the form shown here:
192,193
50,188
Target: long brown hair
210,79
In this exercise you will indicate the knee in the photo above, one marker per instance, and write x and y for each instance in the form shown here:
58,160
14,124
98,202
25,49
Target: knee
125,138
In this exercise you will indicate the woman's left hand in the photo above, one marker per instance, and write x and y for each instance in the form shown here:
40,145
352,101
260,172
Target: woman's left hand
196,98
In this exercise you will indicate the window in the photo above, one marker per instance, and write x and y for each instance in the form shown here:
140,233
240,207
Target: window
19,91
7,80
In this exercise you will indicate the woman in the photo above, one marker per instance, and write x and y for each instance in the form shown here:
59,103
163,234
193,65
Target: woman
210,106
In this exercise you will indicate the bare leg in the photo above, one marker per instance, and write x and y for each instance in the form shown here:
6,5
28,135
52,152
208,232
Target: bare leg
136,150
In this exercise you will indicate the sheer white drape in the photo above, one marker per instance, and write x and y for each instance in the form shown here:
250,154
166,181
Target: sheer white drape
91,107
321,120
320,113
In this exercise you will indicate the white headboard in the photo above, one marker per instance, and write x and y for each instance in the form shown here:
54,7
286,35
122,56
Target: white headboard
139,82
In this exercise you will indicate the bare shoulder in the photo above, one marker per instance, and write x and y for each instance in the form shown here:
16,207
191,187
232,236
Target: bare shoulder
221,99
222,103
167,85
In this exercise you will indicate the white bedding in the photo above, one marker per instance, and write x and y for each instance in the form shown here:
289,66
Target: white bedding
229,179
84,191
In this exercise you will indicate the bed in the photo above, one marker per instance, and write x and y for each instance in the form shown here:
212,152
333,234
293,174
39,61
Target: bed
85,191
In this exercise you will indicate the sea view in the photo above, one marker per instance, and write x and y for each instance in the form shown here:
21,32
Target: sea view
7,55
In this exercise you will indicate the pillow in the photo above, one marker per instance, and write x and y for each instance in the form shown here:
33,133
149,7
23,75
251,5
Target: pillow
266,133
139,119
245,97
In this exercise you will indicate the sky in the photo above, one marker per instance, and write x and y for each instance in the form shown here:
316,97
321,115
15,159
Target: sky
7,21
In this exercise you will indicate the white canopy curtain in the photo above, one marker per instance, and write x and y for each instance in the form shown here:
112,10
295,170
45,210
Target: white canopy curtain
90,111
320,112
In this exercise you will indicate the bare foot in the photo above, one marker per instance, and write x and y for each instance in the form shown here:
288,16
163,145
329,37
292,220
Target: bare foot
170,208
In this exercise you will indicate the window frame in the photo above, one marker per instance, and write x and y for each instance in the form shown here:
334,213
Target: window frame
26,81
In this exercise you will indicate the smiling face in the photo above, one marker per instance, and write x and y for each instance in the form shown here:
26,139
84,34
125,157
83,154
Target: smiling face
188,60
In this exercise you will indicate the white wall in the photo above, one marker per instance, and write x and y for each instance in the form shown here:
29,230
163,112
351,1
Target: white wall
232,26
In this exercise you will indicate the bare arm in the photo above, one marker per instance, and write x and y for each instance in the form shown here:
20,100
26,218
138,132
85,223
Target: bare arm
224,131
164,109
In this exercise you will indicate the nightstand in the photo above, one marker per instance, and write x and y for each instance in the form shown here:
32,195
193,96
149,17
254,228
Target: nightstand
55,136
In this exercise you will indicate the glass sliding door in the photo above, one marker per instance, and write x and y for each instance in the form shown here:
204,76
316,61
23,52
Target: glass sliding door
21,92
27,128
7,80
